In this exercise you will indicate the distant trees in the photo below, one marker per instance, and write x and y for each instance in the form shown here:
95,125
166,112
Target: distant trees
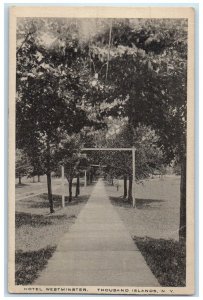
69,157
22,165
149,157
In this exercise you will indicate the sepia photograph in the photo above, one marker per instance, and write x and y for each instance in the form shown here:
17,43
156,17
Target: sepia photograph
101,150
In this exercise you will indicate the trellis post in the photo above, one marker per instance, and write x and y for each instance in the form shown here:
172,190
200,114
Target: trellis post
85,178
62,186
133,185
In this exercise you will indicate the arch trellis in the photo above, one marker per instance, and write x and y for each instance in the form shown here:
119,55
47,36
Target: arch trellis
133,149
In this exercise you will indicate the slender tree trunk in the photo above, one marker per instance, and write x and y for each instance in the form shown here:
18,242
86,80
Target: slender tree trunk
125,190
33,179
112,181
182,228
38,178
51,204
130,197
77,190
70,189
19,179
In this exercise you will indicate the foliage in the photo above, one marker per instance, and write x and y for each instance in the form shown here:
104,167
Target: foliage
148,68
69,153
54,91
63,87
51,86
149,157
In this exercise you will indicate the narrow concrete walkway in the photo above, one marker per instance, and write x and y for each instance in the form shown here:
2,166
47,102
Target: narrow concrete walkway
97,251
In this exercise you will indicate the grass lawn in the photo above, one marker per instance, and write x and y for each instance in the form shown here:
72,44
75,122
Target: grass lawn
38,232
166,259
154,224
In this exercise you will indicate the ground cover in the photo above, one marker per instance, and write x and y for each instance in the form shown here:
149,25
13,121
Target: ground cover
38,232
154,224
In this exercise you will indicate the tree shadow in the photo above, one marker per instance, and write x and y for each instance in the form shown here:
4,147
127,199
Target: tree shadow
120,201
43,201
34,220
78,200
29,264
148,203
166,259
140,203
18,186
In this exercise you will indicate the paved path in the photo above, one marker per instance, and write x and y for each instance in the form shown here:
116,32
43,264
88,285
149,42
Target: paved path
97,251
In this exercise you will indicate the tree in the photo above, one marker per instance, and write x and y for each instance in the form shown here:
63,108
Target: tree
148,72
70,157
49,98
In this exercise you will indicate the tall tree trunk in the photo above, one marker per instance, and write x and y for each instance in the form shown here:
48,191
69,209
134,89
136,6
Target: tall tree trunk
19,179
125,190
112,181
77,190
130,197
182,228
70,182
38,178
33,179
51,204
